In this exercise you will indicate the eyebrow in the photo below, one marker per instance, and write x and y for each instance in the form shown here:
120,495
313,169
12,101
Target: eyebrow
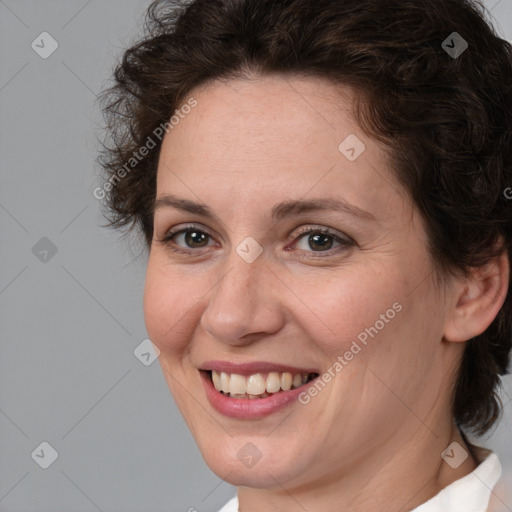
279,211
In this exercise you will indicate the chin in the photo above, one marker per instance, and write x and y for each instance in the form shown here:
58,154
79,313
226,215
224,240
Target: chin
240,463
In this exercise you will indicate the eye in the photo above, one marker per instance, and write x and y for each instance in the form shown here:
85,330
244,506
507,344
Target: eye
321,240
187,239
190,240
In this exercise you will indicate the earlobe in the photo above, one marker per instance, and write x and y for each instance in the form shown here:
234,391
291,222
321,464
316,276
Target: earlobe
478,299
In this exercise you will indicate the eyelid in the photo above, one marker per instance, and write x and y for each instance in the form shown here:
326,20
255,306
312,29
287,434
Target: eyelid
183,228
312,228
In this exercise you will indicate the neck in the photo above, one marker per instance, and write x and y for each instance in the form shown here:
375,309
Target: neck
401,479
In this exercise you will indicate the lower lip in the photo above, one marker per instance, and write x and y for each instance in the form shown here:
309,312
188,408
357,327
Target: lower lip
245,408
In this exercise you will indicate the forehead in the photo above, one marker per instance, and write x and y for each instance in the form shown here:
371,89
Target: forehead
289,109
274,135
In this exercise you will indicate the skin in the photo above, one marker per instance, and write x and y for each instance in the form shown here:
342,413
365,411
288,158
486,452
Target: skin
372,439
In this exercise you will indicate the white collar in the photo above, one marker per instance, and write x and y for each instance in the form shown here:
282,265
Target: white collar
470,493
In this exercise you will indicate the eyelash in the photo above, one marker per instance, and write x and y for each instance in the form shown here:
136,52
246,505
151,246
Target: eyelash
345,243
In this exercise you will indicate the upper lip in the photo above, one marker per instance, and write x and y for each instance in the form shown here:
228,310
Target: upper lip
252,367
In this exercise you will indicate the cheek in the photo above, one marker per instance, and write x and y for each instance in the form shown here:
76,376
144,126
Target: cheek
351,306
374,321
168,308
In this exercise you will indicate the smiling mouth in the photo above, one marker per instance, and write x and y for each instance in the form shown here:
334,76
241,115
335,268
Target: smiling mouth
258,385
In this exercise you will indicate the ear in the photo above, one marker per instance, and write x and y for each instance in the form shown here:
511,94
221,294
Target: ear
477,300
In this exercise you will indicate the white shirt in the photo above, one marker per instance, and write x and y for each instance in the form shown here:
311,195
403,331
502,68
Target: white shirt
471,493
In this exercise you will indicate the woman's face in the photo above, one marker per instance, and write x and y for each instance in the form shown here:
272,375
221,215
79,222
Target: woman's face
256,287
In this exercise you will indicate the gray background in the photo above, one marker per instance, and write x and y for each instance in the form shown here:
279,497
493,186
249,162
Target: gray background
70,321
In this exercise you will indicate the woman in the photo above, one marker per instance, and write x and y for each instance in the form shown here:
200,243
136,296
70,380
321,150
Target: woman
321,187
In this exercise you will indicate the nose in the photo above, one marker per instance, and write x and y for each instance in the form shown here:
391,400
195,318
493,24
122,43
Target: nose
245,303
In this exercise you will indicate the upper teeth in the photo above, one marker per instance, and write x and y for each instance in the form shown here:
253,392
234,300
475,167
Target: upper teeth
258,383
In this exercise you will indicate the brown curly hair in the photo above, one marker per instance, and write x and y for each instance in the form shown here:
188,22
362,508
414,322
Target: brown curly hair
447,120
